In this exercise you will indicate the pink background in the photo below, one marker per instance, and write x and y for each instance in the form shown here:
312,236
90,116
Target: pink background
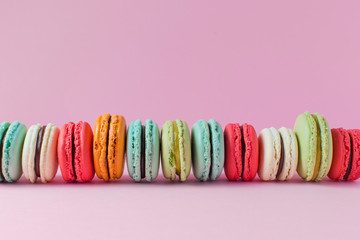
260,62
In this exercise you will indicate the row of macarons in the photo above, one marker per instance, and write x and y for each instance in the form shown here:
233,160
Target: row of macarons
311,149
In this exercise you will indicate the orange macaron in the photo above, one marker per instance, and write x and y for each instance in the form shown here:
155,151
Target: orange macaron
109,146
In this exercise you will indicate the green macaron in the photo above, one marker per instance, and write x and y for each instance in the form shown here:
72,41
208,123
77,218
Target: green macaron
175,150
315,146
143,150
12,140
208,151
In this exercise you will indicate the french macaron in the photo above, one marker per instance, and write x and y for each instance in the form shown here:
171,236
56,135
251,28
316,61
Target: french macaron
346,158
175,150
278,154
241,152
109,146
143,150
75,152
315,146
39,155
12,140
208,150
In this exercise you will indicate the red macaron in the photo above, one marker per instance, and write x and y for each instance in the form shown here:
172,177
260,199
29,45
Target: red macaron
75,152
241,152
346,154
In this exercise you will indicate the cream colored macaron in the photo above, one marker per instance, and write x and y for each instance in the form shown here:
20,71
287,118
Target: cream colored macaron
39,157
278,156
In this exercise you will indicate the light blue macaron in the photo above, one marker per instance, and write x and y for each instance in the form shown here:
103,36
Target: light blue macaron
12,136
143,150
208,151
4,126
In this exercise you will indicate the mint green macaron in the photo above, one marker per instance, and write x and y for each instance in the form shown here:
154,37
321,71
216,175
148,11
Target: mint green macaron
12,140
143,150
208,151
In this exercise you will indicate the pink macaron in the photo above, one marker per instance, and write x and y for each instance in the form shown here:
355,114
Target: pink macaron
75,152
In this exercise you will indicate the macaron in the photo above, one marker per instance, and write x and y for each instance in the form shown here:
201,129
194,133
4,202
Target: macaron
241,152
208,150
143,150
278,154
12,140
39,155
175,150
346,156
109,146
315,146
75,152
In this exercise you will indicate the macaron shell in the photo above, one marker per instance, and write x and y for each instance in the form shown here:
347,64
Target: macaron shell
218,149
233,151
4,126
355,168
318,151
326,147
251,161
167,150
269,153
184,141
201,150
152,150
48,154
100,146
291,154
306,132
83,157
65,151
28,153
96,146
133,150
341,154
116,146
12,152
182,149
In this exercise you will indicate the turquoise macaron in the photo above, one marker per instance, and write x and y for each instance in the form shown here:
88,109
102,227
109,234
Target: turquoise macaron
12,139
208,151
143,150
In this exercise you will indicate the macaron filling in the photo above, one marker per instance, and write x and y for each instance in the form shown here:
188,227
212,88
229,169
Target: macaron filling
142,158
38,145
348,170
1,151
243,150
73,149
281,161
211,150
